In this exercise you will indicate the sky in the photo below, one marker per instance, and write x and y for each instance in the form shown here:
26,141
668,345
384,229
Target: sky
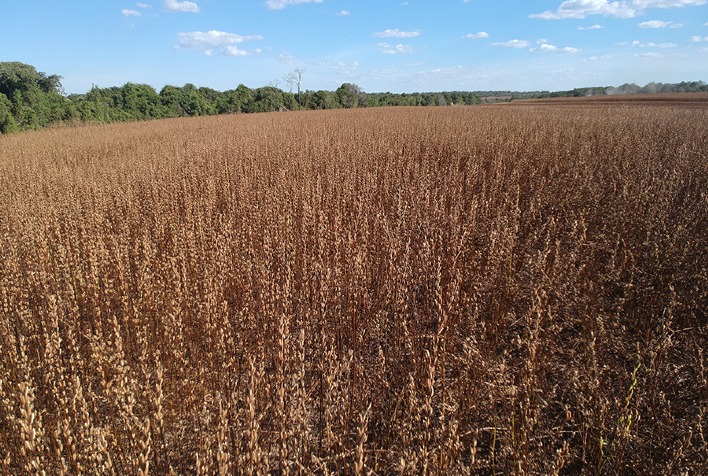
380,45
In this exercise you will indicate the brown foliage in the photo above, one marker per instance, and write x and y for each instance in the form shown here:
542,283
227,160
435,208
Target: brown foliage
494,290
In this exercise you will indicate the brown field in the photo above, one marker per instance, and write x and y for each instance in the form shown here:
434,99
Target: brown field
484,290
673,100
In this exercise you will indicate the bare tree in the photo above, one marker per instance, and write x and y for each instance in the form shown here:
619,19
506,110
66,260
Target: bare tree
295,79
290,81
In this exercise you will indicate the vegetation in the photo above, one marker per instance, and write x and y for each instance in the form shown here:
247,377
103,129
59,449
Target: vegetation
498,290
627,88
30,99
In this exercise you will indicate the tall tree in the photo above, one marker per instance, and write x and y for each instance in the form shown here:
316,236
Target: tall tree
141,101
35,97
16,76
7,121
295,79
244,97
350,95
268,99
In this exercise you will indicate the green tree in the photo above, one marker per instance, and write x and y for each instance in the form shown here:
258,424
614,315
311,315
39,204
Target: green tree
193,103
320,100
268,99
171,99
185,101
141,101
226,103
23,77
35,97
7,121
24,114
235,101
105,105
350,95
212,97
245,98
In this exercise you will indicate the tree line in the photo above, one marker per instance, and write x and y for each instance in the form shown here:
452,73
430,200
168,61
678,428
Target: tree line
627,88
30,99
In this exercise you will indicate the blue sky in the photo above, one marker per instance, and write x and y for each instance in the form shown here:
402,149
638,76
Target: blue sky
381,45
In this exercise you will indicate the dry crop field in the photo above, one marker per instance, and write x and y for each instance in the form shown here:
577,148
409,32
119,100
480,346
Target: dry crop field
486,290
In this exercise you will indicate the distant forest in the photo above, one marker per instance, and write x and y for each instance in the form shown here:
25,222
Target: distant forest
30,99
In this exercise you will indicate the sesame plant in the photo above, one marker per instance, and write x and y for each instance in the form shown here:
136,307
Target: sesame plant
512,289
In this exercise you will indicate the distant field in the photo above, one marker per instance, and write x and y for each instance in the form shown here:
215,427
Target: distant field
699,100
511,289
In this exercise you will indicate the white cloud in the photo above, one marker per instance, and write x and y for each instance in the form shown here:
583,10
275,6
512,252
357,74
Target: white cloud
650,55
546,46
287,58
215,42
582,8
144,5
343,13
616,9
395,50
592,27
481,34
698,39
280,4
345,68
659,24
513,44
654,24
236,51
130,13
175,6
667,3
396,34
653,45
230,51
339,69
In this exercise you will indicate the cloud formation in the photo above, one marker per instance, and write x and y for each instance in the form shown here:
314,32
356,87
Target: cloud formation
280,4
287,58
654,24
474,36
130,13
216,42
544,45
176,6
395,50
397,34
592,27
649,55
583,8
512,43
579,9
651,44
